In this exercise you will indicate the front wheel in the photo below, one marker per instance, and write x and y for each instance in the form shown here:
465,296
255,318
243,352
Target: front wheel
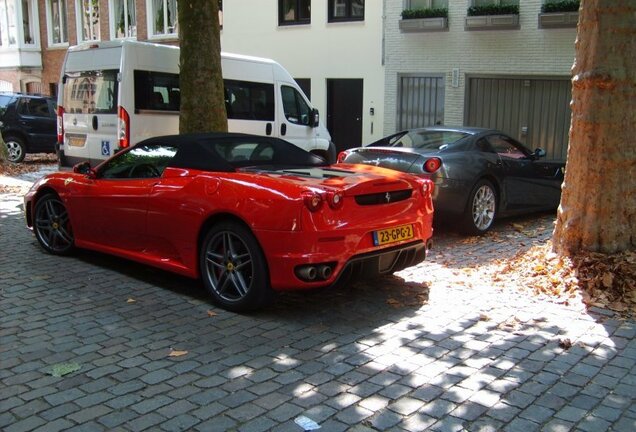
15,149
481,209
52,225
233,268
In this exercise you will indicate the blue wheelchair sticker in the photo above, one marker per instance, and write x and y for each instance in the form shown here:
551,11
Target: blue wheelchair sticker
105,148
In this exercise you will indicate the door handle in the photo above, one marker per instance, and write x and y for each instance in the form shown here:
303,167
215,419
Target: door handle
268,129
95,123
283,129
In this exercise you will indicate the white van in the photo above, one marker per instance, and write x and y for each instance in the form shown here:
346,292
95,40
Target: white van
115,94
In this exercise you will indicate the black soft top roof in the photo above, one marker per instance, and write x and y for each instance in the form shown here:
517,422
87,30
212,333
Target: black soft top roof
208,151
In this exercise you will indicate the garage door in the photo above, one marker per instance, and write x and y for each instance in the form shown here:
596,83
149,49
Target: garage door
536,111
421,101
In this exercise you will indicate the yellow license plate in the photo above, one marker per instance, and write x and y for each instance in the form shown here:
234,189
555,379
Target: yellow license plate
76,141
392,235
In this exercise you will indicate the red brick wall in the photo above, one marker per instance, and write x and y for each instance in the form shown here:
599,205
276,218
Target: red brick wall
53,57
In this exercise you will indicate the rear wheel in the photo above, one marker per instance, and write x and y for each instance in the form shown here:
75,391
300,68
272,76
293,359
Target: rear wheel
52,225
481,209
16,149
233,268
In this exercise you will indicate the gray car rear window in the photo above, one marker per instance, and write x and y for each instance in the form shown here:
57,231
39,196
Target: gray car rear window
429,140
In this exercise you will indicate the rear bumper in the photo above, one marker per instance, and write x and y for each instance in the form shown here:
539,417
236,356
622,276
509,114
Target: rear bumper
378,263
348,255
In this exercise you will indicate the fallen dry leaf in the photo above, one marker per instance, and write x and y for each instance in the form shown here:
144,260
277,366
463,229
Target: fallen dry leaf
565,344
212,313
131,300
177,353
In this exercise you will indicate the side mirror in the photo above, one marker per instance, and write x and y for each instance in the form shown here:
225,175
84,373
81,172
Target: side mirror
84,168
539,153
314,121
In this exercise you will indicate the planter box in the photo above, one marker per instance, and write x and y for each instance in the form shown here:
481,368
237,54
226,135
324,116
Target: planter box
492,22
418,25
558,19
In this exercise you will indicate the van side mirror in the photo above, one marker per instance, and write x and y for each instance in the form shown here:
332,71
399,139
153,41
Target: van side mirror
315,118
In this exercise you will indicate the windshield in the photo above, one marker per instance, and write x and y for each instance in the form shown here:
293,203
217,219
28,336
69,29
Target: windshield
427,139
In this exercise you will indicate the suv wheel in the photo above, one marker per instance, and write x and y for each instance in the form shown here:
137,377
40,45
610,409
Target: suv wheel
15,148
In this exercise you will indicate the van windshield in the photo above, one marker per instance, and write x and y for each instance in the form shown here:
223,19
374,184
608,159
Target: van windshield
91,92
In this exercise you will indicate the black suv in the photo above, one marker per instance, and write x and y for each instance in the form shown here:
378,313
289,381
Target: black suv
28,124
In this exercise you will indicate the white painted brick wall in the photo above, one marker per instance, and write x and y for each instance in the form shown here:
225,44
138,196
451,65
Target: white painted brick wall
527,52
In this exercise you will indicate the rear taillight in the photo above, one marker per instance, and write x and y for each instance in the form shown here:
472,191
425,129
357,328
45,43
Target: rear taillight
60,124
313,201
433,164
335,200
342,156
123,128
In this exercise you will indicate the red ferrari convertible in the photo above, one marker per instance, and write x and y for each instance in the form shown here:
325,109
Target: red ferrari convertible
250,215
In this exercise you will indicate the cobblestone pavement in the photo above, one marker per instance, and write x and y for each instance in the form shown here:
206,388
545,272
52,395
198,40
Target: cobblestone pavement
432,348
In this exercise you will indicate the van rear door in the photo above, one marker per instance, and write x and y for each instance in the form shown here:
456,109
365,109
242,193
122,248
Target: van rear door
90,114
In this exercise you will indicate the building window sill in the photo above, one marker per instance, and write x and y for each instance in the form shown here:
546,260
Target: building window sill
552,20
423,25
492,22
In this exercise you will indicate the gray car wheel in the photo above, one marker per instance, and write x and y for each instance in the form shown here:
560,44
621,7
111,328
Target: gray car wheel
15,148
233,267
481,209
52,225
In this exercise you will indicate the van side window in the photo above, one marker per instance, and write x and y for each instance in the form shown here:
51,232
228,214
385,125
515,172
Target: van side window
157,91
296,109
246,100
91,92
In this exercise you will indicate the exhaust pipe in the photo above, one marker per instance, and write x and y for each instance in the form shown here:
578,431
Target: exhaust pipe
324,271
308,273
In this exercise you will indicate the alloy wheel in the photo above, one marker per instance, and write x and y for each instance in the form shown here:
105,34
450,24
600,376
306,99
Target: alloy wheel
229,266
15,151
52,225
483,209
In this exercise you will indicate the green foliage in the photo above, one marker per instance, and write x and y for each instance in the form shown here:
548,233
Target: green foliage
424,13
560,6
504,9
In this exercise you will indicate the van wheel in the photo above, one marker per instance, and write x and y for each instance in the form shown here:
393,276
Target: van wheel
15,148
332,153
233,268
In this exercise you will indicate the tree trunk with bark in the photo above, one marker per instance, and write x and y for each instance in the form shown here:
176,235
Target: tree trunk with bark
201,81
598,202
4,152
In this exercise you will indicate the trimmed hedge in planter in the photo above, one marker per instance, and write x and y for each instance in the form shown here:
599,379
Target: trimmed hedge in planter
560,6
424,13
493,10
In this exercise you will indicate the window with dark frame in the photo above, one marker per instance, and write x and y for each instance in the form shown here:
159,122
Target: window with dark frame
346,10
292,12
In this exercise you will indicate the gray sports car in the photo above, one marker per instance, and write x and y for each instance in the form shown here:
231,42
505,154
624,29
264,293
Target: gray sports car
479,174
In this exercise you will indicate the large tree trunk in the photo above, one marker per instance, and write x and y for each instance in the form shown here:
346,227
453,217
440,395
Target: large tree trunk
598,203
4,153
201,81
